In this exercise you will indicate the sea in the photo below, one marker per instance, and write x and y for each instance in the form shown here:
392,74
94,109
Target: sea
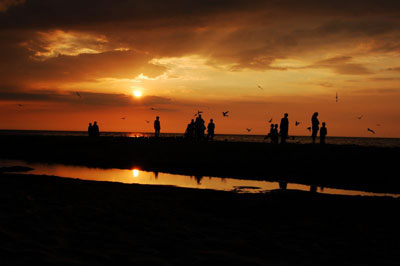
377,142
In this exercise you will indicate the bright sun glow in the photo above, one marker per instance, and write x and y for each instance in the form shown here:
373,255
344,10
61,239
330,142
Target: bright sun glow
135,173
137,94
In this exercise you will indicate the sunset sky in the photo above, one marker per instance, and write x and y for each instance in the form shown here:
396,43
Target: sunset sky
65,63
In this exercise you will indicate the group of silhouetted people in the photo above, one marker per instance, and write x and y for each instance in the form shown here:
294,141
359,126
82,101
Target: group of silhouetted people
283,132
93,130
196,129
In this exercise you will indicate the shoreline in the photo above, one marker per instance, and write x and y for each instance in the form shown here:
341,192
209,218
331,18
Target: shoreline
336,166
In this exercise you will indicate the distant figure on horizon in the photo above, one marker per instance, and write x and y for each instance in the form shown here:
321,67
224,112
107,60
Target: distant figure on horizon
322,133
210,130
275,135
284,128
271,133
157,127
315,126
96,130
189,133
199,127
90,130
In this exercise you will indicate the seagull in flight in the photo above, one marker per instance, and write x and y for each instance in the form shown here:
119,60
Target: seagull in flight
225,114
309,129
147,121
359,117
270,121
248,129
123,118
337,97
261,88
297,123
370,130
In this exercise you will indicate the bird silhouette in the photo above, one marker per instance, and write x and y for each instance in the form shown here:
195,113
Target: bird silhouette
147,121
297,123
359,117
248,129
123,118
78,94
309,129
225,114
370,130
270,121
261,88
152,108
337,97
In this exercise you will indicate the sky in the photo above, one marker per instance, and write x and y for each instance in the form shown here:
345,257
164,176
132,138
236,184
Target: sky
66,63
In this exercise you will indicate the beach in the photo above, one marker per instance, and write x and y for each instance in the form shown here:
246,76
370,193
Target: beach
55,221
58,221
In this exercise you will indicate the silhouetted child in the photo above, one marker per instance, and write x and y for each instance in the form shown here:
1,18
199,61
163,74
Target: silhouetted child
275,135
210,130
157,127
322,133
90,130
271,133
96,130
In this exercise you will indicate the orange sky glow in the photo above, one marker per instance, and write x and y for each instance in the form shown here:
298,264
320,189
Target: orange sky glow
258,60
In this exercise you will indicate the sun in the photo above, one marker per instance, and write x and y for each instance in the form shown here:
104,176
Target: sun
137,94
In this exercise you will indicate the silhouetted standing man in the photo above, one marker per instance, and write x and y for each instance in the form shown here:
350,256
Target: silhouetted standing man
96,130
157,127
199,128
315,126
284,127
190,130
90,130
210,130
322,133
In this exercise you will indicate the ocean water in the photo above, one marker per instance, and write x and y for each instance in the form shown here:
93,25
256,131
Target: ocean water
378,142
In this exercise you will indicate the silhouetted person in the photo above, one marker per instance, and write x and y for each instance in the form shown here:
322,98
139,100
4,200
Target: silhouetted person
322,133
315,126
270,134
284,128
96,130
157,127
275,135
189,133
199,128
90,130
313,188
283,185
210,130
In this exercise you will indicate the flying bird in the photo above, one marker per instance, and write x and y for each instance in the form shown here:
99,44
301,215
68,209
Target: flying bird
225,114
359,117
370,130
147,121
270,121
337,97
78,94
248,129
309,129
261,88
297,123
152,108
123,118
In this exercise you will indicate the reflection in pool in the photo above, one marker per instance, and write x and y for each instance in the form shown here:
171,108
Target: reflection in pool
137,176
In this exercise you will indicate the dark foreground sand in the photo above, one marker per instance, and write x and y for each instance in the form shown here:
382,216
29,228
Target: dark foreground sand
51,220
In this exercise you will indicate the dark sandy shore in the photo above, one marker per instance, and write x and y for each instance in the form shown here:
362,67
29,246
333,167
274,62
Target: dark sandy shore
348,166
56,221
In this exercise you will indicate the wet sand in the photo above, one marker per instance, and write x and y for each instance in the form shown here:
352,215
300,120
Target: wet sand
351,167
51,220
